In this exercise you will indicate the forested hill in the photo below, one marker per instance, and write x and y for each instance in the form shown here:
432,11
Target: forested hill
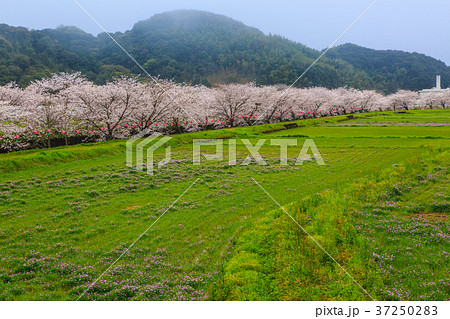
204,48
391,69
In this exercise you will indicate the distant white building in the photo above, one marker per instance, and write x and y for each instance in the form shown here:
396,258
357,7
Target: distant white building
436,89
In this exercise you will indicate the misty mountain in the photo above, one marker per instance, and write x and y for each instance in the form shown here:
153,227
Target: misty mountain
391,70
204,48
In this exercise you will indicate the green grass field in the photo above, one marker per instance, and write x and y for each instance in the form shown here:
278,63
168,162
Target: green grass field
68,213
439,116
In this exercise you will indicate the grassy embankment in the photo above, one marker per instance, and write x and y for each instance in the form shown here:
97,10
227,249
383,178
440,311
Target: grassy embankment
389,230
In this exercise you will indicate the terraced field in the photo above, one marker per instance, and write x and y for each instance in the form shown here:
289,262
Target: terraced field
68,214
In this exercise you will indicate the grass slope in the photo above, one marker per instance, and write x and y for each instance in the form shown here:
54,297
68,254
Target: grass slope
68,214
390,231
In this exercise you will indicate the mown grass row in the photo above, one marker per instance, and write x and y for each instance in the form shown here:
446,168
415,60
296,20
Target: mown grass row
391,253
67,222
308,128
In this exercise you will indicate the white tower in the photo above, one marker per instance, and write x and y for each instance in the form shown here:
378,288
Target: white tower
437,89
438,82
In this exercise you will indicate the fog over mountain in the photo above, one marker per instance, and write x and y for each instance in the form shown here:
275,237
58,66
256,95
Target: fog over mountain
199,47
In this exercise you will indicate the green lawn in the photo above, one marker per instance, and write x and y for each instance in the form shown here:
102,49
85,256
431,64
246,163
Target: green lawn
68,213
368,132
389,230
405,117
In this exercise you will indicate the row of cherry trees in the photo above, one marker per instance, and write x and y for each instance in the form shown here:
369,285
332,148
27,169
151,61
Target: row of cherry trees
67,105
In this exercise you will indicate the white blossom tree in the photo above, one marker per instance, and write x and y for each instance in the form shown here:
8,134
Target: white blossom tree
444,99
105,108
197,108
404,99
369,100
66,104
273,102
154,105
49,104
314,100
231,100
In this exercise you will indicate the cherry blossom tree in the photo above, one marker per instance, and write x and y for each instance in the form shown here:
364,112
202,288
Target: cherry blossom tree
154,105
107,107
272,102
11,117
429,100
316,98
404,99
444,99
66,104
231,100
13,136
188,108
12,94
381,104
435,99
369,100
197,108
345,99
49,104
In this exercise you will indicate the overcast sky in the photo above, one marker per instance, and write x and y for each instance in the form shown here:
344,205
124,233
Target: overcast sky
412,25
